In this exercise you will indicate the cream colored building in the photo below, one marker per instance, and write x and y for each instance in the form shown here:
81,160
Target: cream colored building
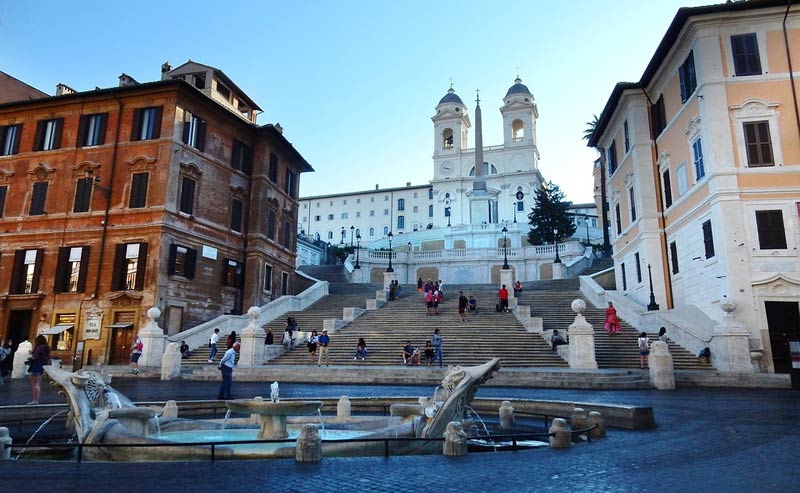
702,163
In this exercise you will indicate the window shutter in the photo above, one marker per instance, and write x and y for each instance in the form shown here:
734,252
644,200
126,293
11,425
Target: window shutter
624,278
38,198
185,136
118,274
58,129
17,138
173,252
61,270
157,122
187,196
38,136
3,192
17,279
236,215
37,270
82,124
138,190
141,266
765,146
82,195
673,250
201,135
191,261
708,239
83,270
101,129
136,125
667,190
248,160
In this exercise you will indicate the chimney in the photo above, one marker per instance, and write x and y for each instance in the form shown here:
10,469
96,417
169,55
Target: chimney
408,183
63,89
126,80
166,68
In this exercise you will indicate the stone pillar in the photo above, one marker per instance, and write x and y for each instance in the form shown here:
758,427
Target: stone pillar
506,414
559,271
562,437
252,351
372,304
170,410
309,445
581,339
20,357
578,418
350,313
329,324
507,278
662,374
153,340
596,420
455,440
343,408
5,444
171,362
381,295
730,347
358,276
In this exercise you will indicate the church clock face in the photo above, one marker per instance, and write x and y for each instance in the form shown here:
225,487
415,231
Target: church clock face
446,168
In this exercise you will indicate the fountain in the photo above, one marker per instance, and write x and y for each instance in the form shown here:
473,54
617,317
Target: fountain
272,415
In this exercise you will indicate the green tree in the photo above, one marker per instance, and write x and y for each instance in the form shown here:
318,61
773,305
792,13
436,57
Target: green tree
550,212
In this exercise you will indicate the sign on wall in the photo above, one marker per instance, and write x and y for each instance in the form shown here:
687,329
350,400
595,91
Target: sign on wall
92,325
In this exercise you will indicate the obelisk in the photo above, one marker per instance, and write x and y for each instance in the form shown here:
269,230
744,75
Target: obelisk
480,212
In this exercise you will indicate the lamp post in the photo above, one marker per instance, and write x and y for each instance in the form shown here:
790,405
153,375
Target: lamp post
389,269
328,254
652,306
352,229
586,219
555,240
358,247
505,249
341,242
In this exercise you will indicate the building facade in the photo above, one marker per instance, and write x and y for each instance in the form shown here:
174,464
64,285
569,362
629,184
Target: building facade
702,167
154,194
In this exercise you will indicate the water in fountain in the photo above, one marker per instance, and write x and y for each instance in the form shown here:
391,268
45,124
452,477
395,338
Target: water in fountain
474,413
321,422
158,426
113,400
40,428
225,420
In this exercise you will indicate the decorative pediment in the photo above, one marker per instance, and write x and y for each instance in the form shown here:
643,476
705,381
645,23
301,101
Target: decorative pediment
191,169
755,107
124,298
41,172
5,176
141,163
237,191
615,195
663,159
85,167
629,179
778,283
693,128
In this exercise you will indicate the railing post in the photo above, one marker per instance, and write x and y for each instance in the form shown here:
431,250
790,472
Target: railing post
213,451
386,449
80,453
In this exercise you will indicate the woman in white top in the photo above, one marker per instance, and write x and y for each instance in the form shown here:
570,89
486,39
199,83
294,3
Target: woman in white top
644,349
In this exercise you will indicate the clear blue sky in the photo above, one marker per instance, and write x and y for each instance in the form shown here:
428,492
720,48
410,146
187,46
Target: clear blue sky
355,82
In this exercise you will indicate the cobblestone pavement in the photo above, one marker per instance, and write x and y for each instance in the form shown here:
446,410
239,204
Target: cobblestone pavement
707,440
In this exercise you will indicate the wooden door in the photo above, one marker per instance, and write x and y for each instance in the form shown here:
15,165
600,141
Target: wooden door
121,340
783,321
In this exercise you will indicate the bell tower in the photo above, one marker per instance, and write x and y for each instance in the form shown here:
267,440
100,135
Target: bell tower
450,125
519,116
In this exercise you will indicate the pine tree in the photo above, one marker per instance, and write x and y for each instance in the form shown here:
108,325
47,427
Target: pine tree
550,212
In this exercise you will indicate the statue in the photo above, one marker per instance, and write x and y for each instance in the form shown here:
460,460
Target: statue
274,394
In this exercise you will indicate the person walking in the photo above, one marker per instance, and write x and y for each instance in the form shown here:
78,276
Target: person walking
436,342
429,303
419,285
214,342
312,346
644,349
392,290
324,341
40,356
226,367
231,339
503,295
437,298
612,321
462,306
662,334
136,353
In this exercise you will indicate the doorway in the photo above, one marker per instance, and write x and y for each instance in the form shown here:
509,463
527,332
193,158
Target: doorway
19,327
121,340
783,322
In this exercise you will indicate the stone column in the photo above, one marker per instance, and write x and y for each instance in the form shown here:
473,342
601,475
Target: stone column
581,339
506,414
252,351
343,408
20,357
562,437
730,347
309,445
153,340
171,362
455,440
5,444
507,278
358,276
662,374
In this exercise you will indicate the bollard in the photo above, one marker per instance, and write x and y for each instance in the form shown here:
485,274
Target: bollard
662,374
455,440
506,414
596,419
578,419
343,408
561,434
309,445
5,444
170,410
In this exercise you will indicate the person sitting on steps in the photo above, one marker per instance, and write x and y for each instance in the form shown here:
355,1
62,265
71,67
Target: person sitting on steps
409,353
556,340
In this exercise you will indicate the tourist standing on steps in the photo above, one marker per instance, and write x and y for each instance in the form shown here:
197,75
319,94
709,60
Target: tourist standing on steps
644,349
324,341
662,334
392,290
312,346
40,356
214,342
437,296
226,367
436,342
419,285
429,302
462,305
231,339
136,353
612,321
503,295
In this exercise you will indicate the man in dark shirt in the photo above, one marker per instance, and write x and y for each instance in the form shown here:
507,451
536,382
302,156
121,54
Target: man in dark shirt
462,306
323,341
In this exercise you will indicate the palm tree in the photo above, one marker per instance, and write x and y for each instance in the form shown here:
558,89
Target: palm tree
590,126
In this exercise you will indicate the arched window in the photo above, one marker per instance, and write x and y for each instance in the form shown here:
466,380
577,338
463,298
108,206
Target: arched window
401,222
517,130
430,211
430,194
447,139
401,204
488,169
330,235
358,231
385,230
371,232
416,227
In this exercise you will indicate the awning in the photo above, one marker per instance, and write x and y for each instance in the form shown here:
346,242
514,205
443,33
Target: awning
120,325
57,329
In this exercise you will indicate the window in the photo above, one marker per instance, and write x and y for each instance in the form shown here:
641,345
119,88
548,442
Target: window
385,230
272,224
187,195
317,218
372,199
48,134
612,157
3,193
146,123
758,143
26,272
358,213
520,206
430,194
287,235
619,218
330,235
232,273
358,232
708,239
83,195
9,139
242,157
401,222
687,77
683,183
659,116
386,212
284,283
236,215
430,211
371,213
415,194
92,130
632,198
667,190
267,278
624,277
699,169
138,190
224,92
194,132
289,183
330,217
273,167
673,252
638,267
627,136
415,209
771,233
358,201
371,232
401,204
38,198
344,215
746,60
344,202
129,267
182,261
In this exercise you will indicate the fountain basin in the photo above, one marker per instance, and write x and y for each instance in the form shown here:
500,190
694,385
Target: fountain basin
271,416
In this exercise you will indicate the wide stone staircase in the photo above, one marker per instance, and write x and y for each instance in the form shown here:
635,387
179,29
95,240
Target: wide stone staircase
551,300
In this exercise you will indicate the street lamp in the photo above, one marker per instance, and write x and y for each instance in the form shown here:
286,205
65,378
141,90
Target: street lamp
652,306
389,269
343,235
586,218
352,229
358,247
555,240
505,249
328,254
